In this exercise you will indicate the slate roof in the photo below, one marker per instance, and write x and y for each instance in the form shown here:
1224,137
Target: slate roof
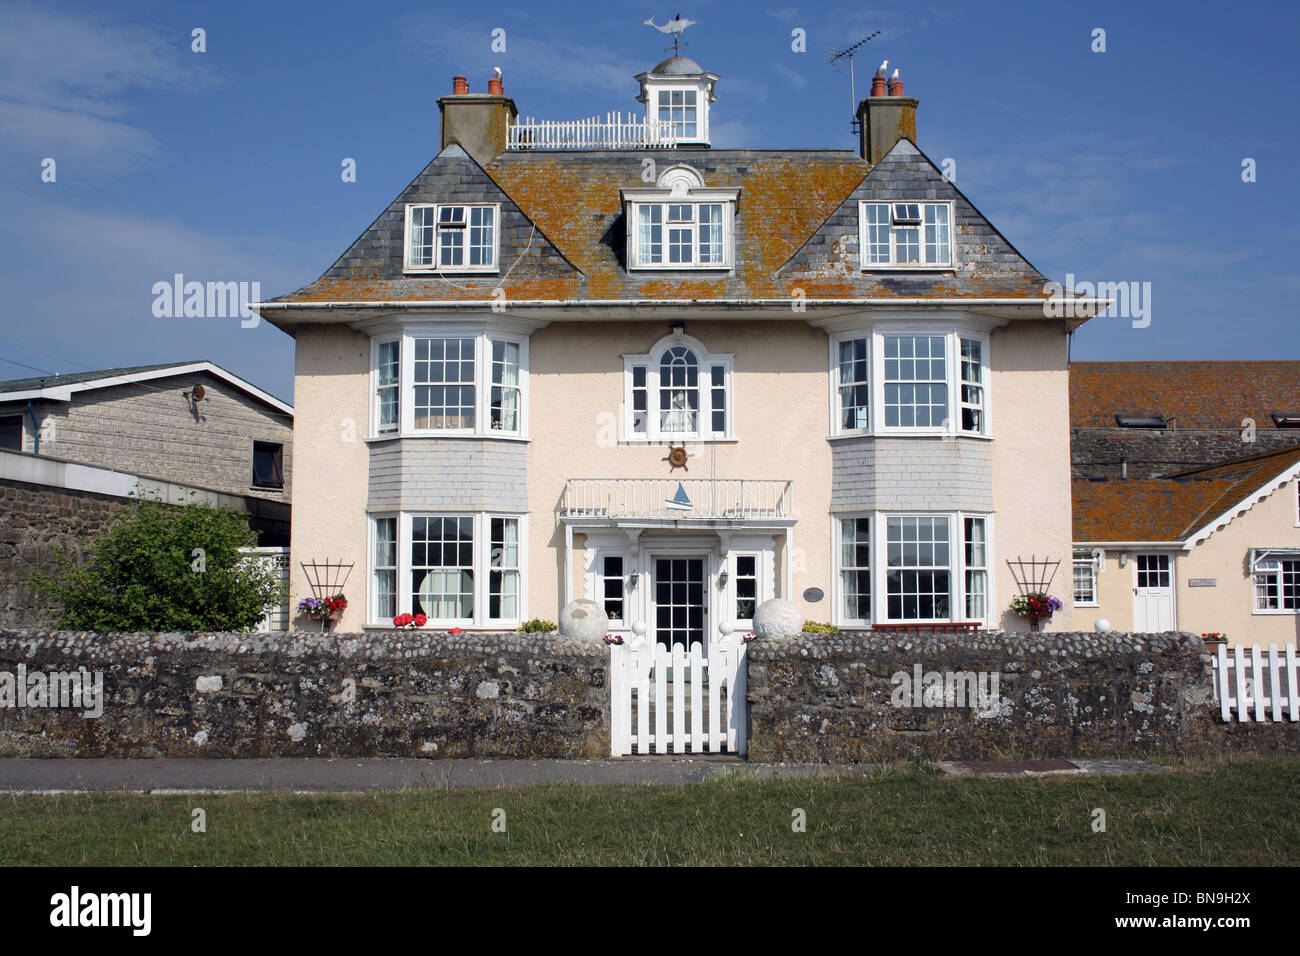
563,231
1175,507
1198,394
77,378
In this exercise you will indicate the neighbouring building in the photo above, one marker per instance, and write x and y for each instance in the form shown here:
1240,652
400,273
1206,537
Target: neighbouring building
608,360
75,450
189,423
1187,498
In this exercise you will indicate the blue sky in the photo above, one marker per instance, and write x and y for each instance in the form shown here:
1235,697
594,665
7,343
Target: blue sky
224,165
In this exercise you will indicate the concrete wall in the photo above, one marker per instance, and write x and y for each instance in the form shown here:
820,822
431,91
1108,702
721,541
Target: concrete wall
313,695
148,428
1228,606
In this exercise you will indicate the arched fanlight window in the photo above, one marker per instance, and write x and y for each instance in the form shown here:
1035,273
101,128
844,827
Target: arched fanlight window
694,388
679,391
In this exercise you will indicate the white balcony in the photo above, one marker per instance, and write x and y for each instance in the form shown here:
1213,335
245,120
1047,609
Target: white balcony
740,501
615,131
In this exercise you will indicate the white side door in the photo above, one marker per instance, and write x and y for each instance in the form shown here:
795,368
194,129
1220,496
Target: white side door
1153,593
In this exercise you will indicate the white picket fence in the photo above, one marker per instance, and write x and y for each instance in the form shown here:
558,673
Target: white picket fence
677,702
1250,679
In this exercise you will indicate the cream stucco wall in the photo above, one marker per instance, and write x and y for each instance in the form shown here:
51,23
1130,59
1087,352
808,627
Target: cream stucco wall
1228,607
1030,395
780,421
331,464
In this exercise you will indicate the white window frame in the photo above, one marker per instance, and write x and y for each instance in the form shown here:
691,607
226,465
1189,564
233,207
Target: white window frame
1080,555
408,245
733,594
634,251
650,361
1259,557
701,111
880,573
893,262
837,589
482,557
875,337
483,367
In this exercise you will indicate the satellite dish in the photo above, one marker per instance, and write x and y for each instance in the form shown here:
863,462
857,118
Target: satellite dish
198,392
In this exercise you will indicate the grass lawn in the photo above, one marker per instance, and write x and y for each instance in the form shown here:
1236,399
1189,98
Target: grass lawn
1221,812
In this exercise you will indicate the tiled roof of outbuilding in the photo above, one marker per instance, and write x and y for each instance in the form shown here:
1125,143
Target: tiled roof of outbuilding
1175,507
1198,394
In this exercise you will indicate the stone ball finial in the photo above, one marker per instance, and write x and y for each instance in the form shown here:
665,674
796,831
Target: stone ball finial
777,618
584,620
1102,625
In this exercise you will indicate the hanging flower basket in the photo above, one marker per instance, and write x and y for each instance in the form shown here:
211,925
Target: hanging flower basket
1036,605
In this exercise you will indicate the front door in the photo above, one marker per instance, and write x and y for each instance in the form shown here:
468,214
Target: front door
1153,594
679,597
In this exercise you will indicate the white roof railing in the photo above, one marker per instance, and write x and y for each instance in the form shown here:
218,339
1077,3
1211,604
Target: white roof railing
615,131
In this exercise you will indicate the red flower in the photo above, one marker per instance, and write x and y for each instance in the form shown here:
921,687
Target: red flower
421,620
455,630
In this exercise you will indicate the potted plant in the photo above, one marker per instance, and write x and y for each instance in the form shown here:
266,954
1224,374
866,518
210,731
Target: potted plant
1036,605
410,621
1214,639
313,607
334,607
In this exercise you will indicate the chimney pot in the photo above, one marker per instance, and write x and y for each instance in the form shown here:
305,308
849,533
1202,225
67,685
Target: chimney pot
459,85
877,86
495,88
895,87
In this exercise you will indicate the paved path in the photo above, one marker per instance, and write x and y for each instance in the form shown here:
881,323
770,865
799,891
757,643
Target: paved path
188,775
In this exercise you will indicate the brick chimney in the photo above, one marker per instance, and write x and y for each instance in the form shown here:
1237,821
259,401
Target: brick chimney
478,121
885,117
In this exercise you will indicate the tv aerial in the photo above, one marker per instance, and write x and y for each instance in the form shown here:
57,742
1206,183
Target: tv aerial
848,53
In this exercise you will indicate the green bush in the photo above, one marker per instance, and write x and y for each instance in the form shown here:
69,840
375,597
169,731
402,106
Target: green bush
537,626
817,627
164,568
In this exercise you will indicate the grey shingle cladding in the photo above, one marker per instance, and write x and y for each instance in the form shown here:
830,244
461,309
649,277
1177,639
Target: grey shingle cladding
911,474
906,173
456,474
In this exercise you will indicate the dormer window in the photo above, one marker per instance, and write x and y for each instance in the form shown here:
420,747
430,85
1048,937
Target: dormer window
906,235
452,238
680,224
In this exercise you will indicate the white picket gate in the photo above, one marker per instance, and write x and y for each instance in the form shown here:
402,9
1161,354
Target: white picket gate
1247,680
674,702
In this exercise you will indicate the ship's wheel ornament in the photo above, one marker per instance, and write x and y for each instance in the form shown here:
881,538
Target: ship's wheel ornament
676,457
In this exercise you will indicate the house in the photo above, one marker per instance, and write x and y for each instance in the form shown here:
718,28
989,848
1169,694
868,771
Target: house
1187,498
607,360
192,423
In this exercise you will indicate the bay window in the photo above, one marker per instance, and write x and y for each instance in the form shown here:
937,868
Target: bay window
925,568
455,382
461,569
909,382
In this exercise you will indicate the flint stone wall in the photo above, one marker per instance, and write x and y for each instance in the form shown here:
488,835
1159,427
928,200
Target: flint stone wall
300,694
830,698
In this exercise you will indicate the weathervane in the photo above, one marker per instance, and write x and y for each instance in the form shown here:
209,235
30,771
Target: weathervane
836,56
674,28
